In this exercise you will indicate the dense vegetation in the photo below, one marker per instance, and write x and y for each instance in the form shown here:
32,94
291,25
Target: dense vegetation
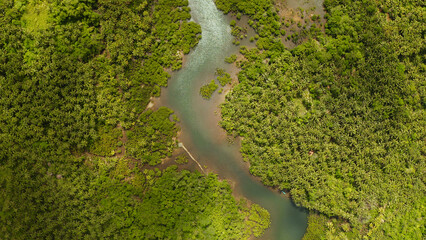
207,90
223,77
231,59
76,78
152,137
100,198
340,119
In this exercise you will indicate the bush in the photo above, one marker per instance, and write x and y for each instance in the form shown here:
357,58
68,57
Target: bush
231,59
207,90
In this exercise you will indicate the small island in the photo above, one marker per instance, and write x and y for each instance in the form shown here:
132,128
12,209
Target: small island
207,90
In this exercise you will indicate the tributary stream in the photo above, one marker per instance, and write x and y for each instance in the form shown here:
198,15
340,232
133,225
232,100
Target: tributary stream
199,118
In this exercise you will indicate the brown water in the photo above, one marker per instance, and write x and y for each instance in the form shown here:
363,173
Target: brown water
201,134
306,5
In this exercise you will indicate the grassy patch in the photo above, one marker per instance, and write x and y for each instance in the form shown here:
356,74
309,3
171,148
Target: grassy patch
36,15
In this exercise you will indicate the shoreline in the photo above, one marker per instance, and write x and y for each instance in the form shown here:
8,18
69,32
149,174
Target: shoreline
216,151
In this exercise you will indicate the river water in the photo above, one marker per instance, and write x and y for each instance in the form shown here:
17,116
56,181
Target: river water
199,122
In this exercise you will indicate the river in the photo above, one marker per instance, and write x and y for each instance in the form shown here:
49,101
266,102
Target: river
201,134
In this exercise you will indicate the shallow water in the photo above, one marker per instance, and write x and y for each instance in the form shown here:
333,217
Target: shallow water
306,5
199,122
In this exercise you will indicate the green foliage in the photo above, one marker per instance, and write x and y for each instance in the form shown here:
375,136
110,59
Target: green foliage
36,16
258,220
104,198
151,139
197,212
75,75
157,40
223,77
207,90
238,32
263,17
175,118
89,69
107,142
316,227
231,59
341,115
181,159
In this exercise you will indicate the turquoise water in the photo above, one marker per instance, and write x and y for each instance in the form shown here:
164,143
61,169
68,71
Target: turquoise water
200,132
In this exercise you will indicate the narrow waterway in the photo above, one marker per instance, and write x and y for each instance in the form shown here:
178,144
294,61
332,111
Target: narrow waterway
199,122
